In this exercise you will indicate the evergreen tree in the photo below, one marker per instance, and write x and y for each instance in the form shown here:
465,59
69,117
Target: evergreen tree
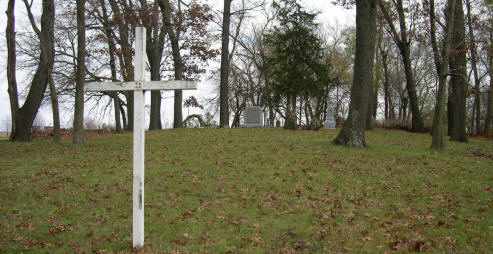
294,58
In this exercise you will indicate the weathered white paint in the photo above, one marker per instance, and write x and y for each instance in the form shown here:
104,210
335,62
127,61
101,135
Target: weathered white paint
139,140
143,85
139,86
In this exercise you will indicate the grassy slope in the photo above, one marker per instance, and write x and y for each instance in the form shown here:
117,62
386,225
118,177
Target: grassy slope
249,190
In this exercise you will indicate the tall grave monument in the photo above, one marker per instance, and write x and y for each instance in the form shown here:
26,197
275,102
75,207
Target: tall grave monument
139,86
330,122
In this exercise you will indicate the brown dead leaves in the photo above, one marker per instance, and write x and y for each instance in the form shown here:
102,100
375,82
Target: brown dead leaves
480,153
57,228
26,227
415,243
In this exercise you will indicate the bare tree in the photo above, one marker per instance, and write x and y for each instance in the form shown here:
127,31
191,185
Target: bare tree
458,81
125,57
155,45
353,131
29,110
489,114
11,65
78,125
442,64
474,60
174,38
108,31
223,83
403,42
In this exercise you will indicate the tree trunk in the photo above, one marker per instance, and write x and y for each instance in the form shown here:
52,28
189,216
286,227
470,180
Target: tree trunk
477,83
369,113
404,110
489,112
305,110
223,83
272,117
177,61
177,114
11,65
386,86
78,128
127,53
111,49
404,46
116,105
417,120
353,131
438,140
450,111
290,121
155,46
458,68
155,121
28,112
124,118
129,96
55,110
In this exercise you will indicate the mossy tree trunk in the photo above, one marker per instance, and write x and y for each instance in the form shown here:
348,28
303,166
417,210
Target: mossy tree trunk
458,69
353,131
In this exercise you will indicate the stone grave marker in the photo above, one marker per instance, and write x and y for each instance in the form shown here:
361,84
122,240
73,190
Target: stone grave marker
253,117
330,122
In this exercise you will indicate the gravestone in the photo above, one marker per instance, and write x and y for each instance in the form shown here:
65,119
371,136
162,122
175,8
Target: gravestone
253,117
139,86
330,122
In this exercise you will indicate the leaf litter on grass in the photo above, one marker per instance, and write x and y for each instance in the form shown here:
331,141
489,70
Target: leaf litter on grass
249,190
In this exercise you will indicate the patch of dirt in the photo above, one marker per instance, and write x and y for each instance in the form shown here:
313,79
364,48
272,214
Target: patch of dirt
480,152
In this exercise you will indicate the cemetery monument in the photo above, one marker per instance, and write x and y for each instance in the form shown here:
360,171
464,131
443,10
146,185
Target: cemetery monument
330,122
253,117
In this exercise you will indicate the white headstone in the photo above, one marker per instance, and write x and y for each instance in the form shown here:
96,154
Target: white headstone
253,117
330,122
138,87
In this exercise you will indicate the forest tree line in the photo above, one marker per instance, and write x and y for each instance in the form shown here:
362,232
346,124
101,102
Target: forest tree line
430,62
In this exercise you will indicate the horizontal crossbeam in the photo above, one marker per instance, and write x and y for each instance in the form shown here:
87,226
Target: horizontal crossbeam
140,85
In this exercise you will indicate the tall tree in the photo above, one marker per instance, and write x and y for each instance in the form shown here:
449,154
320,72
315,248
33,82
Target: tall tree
442,64
57,138
403,41
295,58
224,83
458,68
11,64
29,110
474,61
155,45
108,31
174,38
386,83
353,131
125,56
489,112
78,124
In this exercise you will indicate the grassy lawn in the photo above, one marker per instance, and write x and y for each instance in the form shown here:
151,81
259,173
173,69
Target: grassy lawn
249,191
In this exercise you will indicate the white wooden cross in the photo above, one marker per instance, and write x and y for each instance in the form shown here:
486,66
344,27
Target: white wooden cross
139,86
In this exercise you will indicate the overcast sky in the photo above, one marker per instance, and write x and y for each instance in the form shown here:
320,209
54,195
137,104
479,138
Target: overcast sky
329,15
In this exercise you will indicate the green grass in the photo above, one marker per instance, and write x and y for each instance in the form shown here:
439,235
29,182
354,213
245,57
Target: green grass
249,191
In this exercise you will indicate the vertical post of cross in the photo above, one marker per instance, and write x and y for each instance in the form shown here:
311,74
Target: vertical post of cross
139,139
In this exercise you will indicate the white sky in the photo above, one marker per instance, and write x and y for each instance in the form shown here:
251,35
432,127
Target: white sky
329,15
